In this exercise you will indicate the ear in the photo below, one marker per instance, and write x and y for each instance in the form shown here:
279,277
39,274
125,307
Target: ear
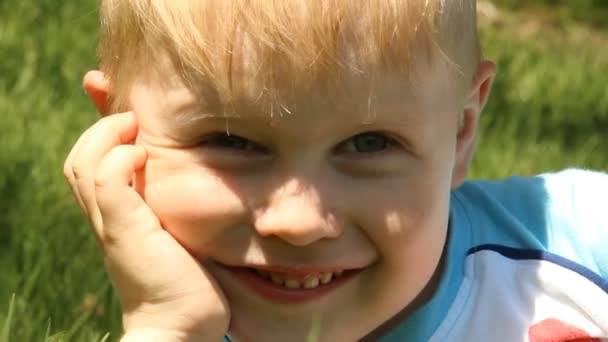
97,86
467,132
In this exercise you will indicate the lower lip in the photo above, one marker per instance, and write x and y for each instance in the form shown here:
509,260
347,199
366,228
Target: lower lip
277,293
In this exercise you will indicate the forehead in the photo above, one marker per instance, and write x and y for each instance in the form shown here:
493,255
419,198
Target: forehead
353,90
357,100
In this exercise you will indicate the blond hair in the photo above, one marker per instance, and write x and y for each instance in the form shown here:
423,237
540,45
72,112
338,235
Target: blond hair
279,45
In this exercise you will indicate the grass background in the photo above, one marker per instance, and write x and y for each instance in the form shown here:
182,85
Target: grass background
549,110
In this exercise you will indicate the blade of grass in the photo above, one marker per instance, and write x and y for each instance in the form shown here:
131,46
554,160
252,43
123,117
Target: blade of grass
315,328
75,328
6,329
105,337
48,331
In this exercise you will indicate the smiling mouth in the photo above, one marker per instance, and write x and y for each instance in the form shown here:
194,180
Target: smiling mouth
290,287
308,281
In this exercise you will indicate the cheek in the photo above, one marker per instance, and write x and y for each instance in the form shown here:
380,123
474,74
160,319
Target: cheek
400,209
408,229
409,226
193,204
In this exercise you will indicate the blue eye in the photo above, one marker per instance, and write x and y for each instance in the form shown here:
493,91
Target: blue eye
233,142
369,142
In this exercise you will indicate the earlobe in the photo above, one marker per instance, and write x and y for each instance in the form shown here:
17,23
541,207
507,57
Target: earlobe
467,132
97,86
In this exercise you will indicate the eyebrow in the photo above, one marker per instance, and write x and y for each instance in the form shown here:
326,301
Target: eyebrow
187,118
191,120
190,116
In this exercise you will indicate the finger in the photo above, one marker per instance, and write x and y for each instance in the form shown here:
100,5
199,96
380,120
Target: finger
106,134
97,86
69,173
122,208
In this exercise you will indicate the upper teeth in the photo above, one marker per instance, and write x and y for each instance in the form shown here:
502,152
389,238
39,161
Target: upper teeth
310,281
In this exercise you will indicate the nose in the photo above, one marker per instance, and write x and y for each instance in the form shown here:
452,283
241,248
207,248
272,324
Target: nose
296,215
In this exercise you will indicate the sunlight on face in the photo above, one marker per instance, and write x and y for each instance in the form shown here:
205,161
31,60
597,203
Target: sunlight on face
333,184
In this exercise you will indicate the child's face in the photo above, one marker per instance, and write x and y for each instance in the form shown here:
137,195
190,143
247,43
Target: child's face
329,187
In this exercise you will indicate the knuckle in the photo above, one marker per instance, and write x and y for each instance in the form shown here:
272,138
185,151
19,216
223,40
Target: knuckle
109,240
117,151
100,125
102,182
67,171
106,123
103,122
79,171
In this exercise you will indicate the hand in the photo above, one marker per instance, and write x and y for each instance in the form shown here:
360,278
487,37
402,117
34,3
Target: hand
164,291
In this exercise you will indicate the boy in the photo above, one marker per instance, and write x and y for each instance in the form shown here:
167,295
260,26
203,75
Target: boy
295,170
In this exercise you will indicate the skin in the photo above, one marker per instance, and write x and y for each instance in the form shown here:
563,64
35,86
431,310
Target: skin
299,192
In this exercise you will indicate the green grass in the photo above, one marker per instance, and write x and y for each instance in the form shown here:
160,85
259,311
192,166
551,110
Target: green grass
549,110
589,12
549,107
47,256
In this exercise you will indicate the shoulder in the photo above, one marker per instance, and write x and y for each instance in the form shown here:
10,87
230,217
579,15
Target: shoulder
565,213
578,215
579,196
537,251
